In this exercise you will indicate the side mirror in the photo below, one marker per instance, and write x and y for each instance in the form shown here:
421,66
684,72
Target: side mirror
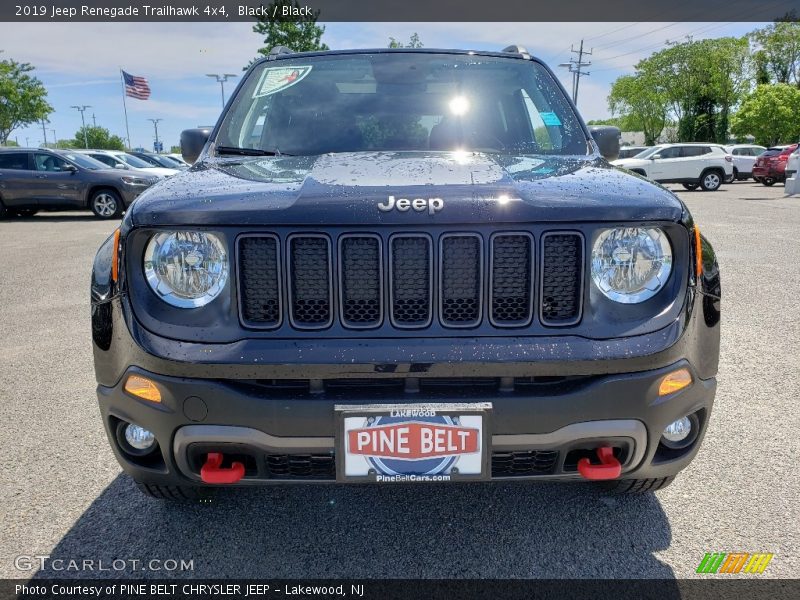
121,166
192,143
655,156
607,139
69,168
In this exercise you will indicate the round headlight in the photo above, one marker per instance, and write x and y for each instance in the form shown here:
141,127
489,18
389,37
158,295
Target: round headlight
631,264
186,268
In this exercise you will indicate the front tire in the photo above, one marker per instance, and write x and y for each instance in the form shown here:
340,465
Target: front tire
106,204
768,181
711,181
176,493
637,486
4,212
26,212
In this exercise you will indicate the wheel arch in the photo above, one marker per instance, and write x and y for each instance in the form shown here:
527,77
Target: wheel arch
98,187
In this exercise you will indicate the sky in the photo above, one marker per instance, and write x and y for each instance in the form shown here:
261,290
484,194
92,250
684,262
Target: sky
79,63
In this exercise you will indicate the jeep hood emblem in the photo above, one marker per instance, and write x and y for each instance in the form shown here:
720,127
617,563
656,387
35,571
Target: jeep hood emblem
432,205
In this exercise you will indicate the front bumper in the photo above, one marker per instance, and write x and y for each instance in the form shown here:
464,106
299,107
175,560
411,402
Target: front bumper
224,398
565,420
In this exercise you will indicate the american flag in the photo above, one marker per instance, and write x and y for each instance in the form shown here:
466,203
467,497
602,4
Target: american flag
136,87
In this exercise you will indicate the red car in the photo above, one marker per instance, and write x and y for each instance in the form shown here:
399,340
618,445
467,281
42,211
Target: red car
770,165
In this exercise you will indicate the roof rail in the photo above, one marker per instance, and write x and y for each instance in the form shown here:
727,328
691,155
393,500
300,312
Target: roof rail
517,49
277,51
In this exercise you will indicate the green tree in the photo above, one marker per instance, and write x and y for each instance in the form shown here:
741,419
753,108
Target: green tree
23,98
778,52
769,114
299,34
97,137
696,84
641,103
413,42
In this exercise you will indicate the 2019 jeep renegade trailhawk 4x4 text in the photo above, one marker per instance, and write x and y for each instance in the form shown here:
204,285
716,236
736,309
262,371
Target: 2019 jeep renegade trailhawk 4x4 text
410,265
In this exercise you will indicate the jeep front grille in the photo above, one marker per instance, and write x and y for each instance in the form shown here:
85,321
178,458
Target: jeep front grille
410,280
310,285
562,259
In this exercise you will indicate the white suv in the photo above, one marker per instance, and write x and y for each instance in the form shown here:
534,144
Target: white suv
744,157
694,165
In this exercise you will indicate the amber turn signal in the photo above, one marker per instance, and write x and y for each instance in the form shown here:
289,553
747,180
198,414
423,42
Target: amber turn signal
698,253
115,258
675,381
143,388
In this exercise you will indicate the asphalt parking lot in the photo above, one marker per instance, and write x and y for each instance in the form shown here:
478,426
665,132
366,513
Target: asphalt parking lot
63,494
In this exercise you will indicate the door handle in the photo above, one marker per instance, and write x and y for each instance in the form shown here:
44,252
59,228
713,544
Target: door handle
41,177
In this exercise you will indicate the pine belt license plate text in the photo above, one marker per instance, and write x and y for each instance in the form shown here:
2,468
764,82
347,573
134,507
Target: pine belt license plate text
413,442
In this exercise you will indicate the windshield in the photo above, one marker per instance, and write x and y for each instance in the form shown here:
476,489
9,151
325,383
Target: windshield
402,101
87,162
130,160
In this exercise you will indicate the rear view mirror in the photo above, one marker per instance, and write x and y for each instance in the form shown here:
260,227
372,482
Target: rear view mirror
192,143
607,139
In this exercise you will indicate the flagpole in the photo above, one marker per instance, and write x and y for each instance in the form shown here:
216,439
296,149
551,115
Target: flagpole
125,107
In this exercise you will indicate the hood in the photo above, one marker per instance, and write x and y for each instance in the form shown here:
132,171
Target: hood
346,189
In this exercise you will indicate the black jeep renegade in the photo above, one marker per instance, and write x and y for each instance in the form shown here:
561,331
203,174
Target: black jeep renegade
404,265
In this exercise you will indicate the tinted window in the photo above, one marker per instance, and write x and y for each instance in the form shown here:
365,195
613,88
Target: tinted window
672,152
87,162
14,160
741,152
131,160
104,158
48,162
402,101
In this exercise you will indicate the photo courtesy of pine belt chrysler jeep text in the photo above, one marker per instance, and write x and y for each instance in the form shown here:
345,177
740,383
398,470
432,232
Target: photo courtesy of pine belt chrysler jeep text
404,266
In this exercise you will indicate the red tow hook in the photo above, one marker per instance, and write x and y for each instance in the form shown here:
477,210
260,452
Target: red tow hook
609,469
212,473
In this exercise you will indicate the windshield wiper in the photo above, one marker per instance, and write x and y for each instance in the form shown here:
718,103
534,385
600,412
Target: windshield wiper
249,151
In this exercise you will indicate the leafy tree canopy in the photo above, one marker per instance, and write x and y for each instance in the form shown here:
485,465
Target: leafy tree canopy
777,53
299,34
770,115
23,98
413,42
97,137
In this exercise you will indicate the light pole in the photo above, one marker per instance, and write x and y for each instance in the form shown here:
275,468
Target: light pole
44,133
221,79
82,109
55,139
155,126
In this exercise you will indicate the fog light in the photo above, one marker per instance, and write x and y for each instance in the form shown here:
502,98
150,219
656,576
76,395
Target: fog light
681,433
139,437
679,430
675,381
143,388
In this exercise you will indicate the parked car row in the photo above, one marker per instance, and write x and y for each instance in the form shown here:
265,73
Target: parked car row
104,181
693,164
700,165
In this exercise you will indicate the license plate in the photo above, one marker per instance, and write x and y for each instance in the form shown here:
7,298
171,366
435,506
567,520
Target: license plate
386,443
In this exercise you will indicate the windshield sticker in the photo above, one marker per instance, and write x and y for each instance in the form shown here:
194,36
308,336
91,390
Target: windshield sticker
277,79
550,119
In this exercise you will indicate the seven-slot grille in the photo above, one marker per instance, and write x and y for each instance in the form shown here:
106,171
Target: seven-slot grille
409,279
